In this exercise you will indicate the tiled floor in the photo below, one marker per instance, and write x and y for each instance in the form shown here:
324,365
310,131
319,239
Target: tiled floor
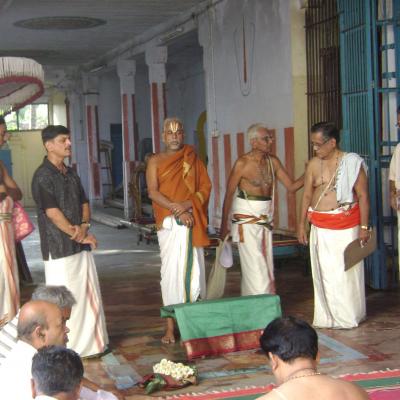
129,277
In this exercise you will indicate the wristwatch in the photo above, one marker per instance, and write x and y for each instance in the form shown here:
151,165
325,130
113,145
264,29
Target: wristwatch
86,223
366,227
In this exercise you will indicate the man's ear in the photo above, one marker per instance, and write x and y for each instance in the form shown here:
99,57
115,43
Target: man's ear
78,389
273,360
33,388
47,144
38,334
318,358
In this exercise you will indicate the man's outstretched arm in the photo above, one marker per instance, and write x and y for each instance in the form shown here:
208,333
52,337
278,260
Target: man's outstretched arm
283,176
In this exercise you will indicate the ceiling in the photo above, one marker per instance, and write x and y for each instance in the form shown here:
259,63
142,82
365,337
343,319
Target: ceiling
120,21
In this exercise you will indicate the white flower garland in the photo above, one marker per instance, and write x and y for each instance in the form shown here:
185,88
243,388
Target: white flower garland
178,371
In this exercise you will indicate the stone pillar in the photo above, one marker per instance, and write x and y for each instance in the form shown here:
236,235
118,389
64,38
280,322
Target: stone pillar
72,103
215,139
126,71
156,58
91,101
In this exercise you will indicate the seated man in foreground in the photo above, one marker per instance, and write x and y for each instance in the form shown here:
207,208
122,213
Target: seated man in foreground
40,324
57,373
292,349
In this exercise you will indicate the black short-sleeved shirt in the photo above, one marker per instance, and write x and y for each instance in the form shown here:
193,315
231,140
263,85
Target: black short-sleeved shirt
53,189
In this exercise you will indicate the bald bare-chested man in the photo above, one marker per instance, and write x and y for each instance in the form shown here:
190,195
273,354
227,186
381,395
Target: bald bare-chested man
253,176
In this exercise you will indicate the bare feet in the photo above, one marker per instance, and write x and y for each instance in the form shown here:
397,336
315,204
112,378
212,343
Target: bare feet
169,336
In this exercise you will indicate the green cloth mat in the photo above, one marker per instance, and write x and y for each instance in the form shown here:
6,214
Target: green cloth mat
210,318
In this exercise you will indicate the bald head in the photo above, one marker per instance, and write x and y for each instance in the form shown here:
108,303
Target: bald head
41,324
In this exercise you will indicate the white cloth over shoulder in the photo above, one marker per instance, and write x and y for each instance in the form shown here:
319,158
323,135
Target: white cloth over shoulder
88,332
182,265
8,338
255,250
15,373
347,175
394,169
87,394
15,377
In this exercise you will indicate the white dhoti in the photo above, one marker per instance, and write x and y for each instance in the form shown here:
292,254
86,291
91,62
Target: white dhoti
339,294
182,265
254,240
9,282
88,332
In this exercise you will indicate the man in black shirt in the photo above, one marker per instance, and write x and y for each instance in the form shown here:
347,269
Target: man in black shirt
64,220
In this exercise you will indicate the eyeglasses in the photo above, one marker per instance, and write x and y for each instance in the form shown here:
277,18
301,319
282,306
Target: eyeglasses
267,138
319,145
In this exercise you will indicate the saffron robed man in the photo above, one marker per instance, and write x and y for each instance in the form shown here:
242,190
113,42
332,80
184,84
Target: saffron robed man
64,219
336,203
179,188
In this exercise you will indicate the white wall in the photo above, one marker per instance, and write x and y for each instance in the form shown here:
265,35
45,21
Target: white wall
186,91
109,103
231,108
109,113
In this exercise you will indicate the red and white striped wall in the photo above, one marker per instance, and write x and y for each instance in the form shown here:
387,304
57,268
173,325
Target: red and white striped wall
130,146
130,142
156,58
226,148
158,112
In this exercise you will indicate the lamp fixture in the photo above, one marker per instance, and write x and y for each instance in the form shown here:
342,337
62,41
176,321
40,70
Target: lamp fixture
171,35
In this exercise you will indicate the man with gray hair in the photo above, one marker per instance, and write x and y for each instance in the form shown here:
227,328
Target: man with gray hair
253,180
40,324
58,295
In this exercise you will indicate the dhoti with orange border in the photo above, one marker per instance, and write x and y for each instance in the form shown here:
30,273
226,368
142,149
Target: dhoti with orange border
252,230
88,333
339,295
9,283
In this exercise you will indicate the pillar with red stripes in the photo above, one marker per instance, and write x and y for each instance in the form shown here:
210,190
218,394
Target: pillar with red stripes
91,101
156,58
72,106
126,71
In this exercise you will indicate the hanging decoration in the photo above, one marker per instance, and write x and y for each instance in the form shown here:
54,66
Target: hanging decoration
21,83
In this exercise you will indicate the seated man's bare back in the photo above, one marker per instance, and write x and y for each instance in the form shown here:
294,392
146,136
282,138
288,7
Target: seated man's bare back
315,388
